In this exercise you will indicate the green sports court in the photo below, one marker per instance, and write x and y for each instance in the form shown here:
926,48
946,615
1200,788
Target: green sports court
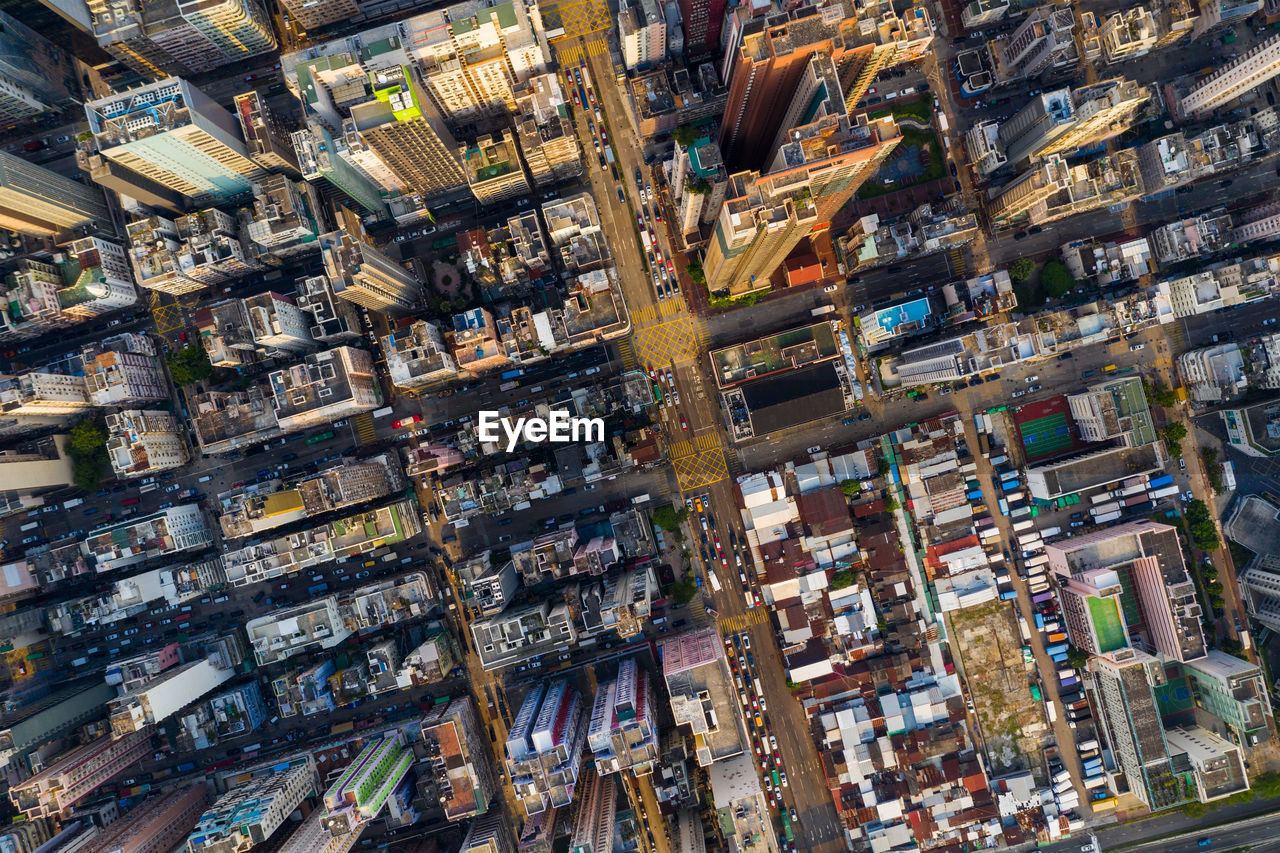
1046,429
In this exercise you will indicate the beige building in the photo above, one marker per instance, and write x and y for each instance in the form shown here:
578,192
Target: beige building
159,823
812,176
143,442
36,200
1232,80
361,274
311,14
1127,34
546,136
324,387
494,170
418,357
43,394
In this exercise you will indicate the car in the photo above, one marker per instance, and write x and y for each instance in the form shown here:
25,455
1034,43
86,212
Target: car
954,172
1018,393
1137,347
815,449
1204,842
684,424
1034,388
1020,235
404,422
1270,322
1184,190
1031,379
831,288
773,744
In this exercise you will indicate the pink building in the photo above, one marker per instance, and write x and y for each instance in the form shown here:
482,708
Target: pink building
77,773
156,826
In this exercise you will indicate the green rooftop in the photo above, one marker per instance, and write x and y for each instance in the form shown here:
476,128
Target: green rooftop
1107,623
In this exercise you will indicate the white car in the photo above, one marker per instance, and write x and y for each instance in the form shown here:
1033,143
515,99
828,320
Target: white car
1137,347
1031,379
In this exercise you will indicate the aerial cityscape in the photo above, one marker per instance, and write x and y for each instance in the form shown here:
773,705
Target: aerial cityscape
597,426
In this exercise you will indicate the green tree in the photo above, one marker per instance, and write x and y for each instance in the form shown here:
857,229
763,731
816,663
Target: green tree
1022,269
697,186
841,579
1055,279
1077,657
686,135
850,488
694,269
87,447
1175,431
1159,394
188,365
684,590
668,518
890,502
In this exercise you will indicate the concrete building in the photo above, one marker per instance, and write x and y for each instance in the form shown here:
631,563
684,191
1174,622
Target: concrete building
418,357
544,746
1128,34
266,140
1260,589
982,143
238,29
319,159
77,773
494,170
642,31
623,731
172,133
136,540
36,76
1214,373
977,14
124,370
545,133
1113,410
1234,692
1150,557
368,784
1043,41
36,200
1232,80
765,216
333,320
404,128
312,14
37,723
43,394
489,833
361,274
93,279
249,814
1217,765
159,699
159,823
324,387
1066,120
277,325
458,763
286,219
518,634
699,184
144,442
287,632
702,695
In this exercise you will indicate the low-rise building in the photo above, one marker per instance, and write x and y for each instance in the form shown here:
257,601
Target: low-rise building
160,534
545,132
324,387
124,370
228,421
286,632
1212,374
333,320
417,357
159,699
702,695
494,169
520,633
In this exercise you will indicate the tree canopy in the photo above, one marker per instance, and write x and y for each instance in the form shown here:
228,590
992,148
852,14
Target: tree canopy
189,364
87,447
1022,269
1055,278
685,135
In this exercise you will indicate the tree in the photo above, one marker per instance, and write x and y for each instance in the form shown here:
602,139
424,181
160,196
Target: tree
694,269
684,590
850,488
1160,394
668,518
87,447
1077,657
189,365
686,135
1055,278
697,186
890,503
841,579
1022,269
1175,432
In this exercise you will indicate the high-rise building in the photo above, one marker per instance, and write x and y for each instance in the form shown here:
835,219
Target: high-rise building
494,170
159,823
157,700
489,834
623,732
249,814
333,320
1232,80
35,200
140,443
35,74
94,279
764,216
699,184
546,136
418,356
459,764
37,723
1164,597
544,746
1123,683
773,55
403,126
266,141
311,14
1044,40
1114,410
238,29
701,20
1233,691
147,537
1128,34
597,810
172,133
361,274
1033,187
318,159
323,387
977,14
138,193
43,394
124,370
1066,120
642,30
286,218
368,784
74,775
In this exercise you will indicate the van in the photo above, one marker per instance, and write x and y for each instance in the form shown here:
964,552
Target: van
79,661
206,478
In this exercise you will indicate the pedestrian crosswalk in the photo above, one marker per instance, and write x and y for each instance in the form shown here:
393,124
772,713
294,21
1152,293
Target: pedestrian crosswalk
628,356
365,433
739,623
958,262
577,52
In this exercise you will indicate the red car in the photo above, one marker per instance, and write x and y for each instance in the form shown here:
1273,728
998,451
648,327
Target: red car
684,425
409,421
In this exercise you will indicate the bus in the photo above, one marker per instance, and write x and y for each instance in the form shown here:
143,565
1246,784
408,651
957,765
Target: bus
342,728
787,831
383,412
315,439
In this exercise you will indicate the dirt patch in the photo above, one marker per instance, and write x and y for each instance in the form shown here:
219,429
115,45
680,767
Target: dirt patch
1011,722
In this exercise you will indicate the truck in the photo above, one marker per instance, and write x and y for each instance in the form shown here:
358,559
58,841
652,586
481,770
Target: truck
73,503
1020,526
1041,597
1037,560
608,154
640,499
1007,593
1103,509
1100,498
822,309
713,579
30,525
1052,711
1039,622
1004,506
1110,516
1028,539
1038,585
1050,531
1160,482
383,412
1070,682
1161,494
316,589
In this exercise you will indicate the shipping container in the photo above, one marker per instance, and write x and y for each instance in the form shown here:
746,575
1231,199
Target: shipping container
1095,781
1060,657
999,460
1110,516
1051,711
1062,787
1055,648
1160,482
1019,512
1070,682
1050,531
1027,540
1134,481
1042,597
1039,622
1138,499
1057,637
1007,594
1023,525
1085,746
1037,560
1166,492
1038,585
1004,506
